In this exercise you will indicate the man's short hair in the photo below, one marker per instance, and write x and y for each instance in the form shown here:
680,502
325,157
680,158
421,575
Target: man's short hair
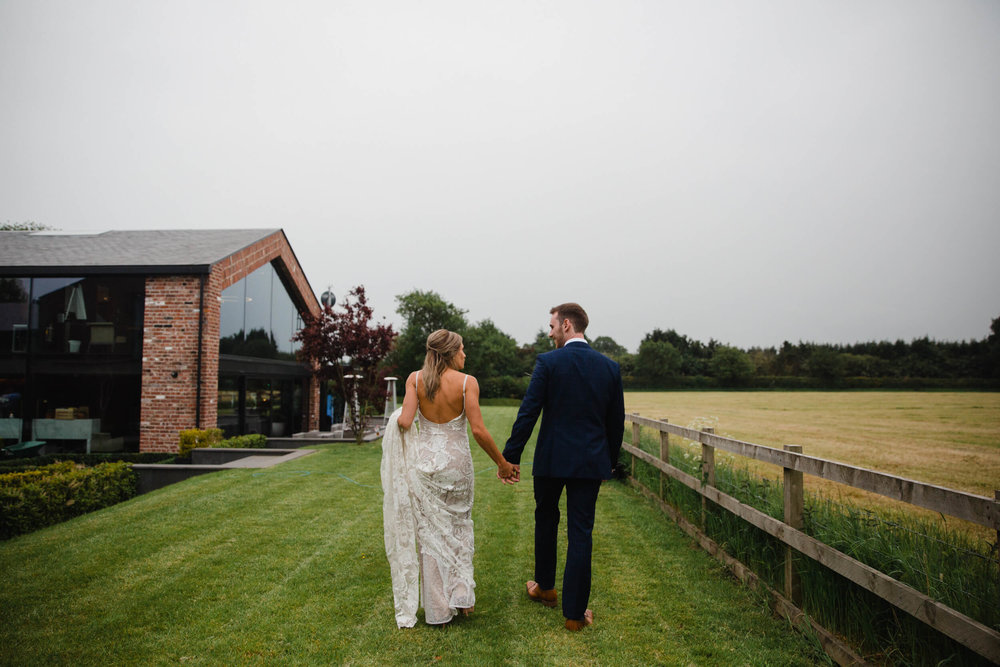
572,312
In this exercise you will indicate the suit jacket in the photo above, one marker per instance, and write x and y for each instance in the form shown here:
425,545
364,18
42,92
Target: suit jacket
579,394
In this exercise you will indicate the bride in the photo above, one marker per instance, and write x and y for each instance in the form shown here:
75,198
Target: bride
427,478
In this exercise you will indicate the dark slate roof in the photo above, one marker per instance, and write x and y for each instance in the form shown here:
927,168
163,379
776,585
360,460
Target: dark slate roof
181,251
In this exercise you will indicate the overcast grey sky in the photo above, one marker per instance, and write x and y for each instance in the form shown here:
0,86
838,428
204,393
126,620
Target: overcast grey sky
746,171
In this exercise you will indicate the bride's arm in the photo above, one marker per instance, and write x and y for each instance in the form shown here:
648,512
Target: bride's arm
409,403
475,416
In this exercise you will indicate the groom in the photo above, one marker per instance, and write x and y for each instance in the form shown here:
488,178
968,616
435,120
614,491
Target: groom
579,394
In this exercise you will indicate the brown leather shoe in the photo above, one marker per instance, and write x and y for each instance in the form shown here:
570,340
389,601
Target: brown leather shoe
547,598
575,626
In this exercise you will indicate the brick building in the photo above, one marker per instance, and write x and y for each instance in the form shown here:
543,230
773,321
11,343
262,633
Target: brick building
140,334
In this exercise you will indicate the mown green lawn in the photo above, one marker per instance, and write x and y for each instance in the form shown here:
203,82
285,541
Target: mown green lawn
286,566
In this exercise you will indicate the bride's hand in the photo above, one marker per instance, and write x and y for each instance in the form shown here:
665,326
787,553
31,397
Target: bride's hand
507,473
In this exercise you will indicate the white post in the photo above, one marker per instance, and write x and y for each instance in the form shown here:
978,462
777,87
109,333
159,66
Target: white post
390,396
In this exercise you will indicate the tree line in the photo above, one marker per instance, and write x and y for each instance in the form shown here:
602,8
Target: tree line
666,359
355,356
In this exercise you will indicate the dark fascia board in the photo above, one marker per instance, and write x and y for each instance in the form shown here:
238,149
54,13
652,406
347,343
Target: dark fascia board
141,269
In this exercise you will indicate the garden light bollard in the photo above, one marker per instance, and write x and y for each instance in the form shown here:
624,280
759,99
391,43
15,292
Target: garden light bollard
794,512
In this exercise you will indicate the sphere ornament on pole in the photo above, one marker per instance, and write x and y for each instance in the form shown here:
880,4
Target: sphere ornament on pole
328,298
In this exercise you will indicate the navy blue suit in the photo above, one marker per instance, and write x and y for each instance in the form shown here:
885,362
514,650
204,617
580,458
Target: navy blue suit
578,393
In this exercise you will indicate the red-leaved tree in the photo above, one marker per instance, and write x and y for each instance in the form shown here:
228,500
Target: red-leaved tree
345,343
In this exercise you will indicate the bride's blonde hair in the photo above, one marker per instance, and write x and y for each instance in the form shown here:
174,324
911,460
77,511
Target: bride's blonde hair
441,348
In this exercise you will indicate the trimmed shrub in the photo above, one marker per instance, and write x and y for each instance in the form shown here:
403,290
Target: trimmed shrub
251,441
34,499
197,437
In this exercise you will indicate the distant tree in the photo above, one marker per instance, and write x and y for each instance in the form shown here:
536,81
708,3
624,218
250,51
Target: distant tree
657,361
791,359
765,360
926,359
608,347
731,365
345,343
422,313
864,365
627,363
527,353
26,226
826,364
490,352
541,344
694,354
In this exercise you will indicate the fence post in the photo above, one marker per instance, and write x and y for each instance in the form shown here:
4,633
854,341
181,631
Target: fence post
665,457
794,511
635,441
707,471
996,497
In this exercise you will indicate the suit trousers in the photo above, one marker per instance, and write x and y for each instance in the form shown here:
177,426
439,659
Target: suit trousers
581,504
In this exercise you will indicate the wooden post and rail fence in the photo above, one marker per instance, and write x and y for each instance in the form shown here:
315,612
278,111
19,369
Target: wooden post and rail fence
970,507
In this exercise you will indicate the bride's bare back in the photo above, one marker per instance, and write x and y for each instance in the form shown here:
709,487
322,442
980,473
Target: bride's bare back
448,402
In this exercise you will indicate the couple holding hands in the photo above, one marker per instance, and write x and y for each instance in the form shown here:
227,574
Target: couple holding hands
427,473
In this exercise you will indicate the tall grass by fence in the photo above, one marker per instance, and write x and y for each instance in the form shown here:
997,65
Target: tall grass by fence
851,569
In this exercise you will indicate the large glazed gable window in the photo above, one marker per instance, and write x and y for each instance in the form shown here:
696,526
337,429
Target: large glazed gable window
258,318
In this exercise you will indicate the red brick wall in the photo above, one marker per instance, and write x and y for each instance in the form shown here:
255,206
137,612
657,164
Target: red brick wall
170,346
170,342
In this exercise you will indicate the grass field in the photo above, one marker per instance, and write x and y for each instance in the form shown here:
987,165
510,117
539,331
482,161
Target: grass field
949,439
286,566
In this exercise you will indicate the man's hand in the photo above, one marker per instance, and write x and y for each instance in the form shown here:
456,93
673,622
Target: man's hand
513,478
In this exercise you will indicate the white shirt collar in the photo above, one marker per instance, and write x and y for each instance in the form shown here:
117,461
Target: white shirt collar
575,340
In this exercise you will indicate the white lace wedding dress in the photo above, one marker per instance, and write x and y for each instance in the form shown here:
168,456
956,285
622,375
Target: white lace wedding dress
427,479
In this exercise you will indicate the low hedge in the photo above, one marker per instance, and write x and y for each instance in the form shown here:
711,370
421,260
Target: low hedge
33,499
250,441
197,437
85,459
212,437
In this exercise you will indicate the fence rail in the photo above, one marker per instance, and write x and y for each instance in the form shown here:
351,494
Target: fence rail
978,509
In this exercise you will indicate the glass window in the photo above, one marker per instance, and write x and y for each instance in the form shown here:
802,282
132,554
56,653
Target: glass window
231,318
11,410
229,405
14,295
58,314
258,318
258,314
284,319
94,315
